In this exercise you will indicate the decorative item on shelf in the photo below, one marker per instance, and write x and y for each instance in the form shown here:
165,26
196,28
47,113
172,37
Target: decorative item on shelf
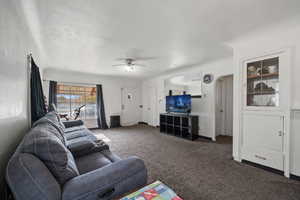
261,71
252,70
207,78
272,69
258,72
261,86
265,70
271,102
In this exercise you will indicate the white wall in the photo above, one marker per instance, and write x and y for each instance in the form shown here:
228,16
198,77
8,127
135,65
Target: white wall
16,43
111,87
284,35
202,107
176,89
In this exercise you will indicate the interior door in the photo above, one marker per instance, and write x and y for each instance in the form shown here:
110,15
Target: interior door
130,106
150,106
219,109
224,106
228,106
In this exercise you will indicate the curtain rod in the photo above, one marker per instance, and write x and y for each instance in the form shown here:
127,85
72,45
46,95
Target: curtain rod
67,82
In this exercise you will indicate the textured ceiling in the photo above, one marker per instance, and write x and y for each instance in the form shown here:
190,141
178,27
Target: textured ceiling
89,35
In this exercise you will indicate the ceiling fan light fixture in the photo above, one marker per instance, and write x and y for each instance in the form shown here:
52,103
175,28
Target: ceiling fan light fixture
129,68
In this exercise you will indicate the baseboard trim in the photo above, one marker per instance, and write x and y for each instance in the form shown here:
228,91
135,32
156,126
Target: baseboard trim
145,123
269,169
94,129
204,137
294,177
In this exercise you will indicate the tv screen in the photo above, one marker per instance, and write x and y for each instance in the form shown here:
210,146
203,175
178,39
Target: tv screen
178,103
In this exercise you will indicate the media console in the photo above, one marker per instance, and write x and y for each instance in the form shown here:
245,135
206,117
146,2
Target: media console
181,125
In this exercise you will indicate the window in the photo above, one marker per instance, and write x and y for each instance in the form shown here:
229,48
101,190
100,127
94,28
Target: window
70,97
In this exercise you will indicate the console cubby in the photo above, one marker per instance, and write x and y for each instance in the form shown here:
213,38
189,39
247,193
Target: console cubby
163,128
162,119
177,131
180,125
185,122
170,129
170,120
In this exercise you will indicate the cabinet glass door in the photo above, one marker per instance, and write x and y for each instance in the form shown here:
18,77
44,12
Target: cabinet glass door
263,83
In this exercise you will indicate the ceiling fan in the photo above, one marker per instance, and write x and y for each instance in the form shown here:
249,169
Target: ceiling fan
129,64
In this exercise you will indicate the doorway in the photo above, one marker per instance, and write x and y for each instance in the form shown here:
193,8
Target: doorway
224,109
150,115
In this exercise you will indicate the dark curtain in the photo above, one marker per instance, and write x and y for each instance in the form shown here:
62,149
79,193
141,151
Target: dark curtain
38,107
52,94
100,109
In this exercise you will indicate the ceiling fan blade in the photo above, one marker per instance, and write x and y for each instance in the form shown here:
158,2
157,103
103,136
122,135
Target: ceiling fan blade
146,58
135,58
139,65
123,59
119,65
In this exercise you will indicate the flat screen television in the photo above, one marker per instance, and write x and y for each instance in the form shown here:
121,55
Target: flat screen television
178,103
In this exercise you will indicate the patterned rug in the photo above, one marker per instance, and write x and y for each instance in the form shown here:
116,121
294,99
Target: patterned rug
154,191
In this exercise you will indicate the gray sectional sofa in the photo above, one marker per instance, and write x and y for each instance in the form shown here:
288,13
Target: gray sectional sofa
66,161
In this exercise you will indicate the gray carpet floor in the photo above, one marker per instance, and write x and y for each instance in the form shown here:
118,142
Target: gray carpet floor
199,170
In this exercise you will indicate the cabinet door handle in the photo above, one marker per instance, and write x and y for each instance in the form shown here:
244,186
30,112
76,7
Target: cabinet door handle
260,157
280,133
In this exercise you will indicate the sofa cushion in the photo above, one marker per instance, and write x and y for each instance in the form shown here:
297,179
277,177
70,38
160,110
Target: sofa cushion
51,119
79,146
75,134
82,146
91,162
79,134
73,123
75,128
42,142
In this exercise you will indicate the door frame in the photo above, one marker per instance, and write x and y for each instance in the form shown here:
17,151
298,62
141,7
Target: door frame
151,117
217,99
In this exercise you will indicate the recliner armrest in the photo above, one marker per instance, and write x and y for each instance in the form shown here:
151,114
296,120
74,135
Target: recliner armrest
73,123
107,182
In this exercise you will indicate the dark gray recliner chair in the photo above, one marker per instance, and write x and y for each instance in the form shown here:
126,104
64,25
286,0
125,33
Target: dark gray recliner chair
43,167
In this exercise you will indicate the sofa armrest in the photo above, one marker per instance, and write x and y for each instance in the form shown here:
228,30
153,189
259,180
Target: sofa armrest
107,182
73,123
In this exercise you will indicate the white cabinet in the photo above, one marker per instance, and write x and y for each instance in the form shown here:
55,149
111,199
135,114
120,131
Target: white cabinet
263,139
265,111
